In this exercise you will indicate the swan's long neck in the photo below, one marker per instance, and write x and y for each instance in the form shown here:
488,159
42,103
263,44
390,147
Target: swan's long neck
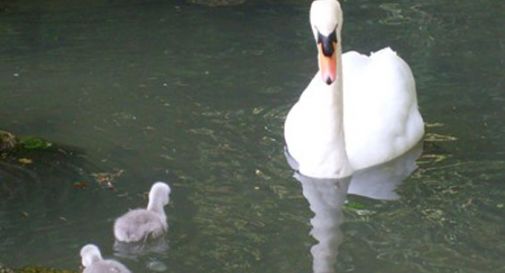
330,101
155,205
315,129
337,92
337,98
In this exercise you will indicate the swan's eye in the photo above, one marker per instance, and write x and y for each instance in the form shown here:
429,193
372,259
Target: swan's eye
327,43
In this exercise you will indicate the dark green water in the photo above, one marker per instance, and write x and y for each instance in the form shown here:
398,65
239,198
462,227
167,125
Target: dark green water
197,96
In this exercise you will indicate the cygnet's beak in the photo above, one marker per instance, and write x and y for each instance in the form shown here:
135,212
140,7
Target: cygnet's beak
326,46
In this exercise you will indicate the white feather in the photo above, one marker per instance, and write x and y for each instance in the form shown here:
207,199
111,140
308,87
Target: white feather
141,224
94,263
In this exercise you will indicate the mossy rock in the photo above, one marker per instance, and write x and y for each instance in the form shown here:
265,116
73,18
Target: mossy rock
8,141
33,269
4,269
40,269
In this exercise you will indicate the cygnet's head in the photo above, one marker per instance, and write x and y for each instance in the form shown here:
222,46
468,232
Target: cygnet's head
326,21
90,254
159,194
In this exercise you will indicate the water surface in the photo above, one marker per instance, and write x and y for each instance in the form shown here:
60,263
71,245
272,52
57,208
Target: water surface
197,96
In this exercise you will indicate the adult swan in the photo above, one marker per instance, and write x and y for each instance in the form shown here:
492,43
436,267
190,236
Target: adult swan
358,111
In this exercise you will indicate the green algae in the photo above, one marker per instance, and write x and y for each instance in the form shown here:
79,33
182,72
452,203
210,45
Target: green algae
33,143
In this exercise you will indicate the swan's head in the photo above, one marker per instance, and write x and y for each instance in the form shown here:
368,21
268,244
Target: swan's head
159,194
326,21
90,254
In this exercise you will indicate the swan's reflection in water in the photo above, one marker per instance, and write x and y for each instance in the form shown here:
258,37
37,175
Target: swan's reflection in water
327,196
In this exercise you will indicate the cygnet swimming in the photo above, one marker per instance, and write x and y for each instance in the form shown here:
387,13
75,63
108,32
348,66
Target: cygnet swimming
94,263
141,224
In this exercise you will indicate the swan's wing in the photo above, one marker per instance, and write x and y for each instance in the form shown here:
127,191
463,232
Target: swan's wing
381,119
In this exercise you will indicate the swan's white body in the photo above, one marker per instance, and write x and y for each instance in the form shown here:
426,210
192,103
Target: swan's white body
141,224
381,117
94,263
367,116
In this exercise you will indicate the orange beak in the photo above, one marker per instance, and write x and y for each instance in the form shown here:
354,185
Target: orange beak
327,65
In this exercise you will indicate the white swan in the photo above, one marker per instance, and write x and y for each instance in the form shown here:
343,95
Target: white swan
141,224
94,263
358,111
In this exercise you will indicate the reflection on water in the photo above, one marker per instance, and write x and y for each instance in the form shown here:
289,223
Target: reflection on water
151,253
134,250
380,182
327,196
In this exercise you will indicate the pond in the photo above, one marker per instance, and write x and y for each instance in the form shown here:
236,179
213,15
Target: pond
196,96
